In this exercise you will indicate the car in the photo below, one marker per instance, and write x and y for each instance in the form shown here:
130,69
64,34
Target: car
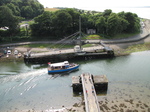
8,51
16,52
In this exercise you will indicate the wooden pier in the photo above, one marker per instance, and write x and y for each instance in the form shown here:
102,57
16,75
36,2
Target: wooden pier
89,84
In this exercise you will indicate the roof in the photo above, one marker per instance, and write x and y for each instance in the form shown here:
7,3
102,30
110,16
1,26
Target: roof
60,64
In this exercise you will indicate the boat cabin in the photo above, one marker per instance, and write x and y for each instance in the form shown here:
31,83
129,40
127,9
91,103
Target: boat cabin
58,66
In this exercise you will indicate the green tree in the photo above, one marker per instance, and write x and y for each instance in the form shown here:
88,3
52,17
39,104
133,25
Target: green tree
3,2
123,22
43,24
15,9
74,24
134,24
113,24
7,19
107,13
27,12
61,22
101,25
85,23
24,8
37,8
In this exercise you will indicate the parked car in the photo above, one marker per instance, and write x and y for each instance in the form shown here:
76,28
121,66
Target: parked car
16,52
8,51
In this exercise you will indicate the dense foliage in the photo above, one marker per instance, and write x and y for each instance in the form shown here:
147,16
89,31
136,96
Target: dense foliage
66,21
9,21
13,11
62,22
27,9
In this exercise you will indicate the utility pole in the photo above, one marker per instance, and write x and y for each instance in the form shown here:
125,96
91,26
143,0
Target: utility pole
80,31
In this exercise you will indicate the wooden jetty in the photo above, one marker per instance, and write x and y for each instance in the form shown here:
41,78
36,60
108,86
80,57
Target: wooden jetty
89,84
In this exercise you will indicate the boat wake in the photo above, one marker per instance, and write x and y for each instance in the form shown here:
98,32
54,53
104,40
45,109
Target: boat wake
22,76
22,82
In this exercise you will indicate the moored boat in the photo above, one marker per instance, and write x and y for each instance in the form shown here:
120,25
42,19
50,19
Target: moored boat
61,67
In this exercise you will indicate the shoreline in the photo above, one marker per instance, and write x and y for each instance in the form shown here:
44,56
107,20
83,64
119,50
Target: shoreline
122,49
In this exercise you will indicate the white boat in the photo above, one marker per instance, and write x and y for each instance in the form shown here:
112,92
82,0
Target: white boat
61,67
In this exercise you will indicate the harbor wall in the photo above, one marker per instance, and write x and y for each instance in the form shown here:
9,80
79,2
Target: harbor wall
100,83
69,57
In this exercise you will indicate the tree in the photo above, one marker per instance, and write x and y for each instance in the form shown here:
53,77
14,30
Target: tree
107,13
134,24
37,8
113,24
74,25
61,22
24,8
7,19
85,23
27,12
123,22
15,9
43,24
101,25
3,2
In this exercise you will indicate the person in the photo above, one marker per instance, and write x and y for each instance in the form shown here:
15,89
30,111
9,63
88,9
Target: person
89,79
52,67
86,91
93,91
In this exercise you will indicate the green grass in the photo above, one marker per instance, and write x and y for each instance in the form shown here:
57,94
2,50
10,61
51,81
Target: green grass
90,37
118,36
87,45
124,35
53,46
48,46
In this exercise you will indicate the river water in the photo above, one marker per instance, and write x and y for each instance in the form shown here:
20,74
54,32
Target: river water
24,87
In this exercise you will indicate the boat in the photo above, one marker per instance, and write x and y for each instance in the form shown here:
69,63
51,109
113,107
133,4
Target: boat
61,67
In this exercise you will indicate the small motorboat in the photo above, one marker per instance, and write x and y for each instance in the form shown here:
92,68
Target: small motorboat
61,67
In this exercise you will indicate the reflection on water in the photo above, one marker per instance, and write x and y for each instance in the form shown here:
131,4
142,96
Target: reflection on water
24,87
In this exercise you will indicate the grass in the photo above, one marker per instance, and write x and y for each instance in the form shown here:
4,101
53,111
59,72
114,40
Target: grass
117,36
53,46
124,35
87,45
48,46
90,37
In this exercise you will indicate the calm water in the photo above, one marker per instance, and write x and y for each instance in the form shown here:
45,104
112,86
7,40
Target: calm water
24,87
